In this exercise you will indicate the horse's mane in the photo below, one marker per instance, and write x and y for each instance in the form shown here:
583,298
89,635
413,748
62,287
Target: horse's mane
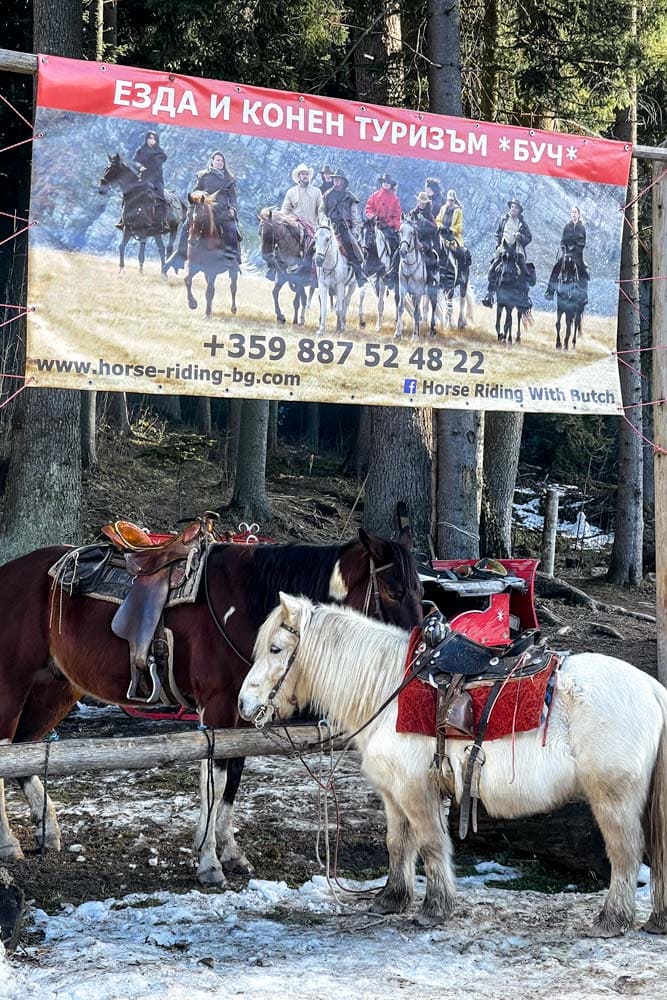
203,198
296,568
350,663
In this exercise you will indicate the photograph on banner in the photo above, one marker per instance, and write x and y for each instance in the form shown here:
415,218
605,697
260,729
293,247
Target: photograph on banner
172,254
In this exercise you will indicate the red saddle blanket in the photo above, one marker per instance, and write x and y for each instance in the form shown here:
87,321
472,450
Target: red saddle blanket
519,707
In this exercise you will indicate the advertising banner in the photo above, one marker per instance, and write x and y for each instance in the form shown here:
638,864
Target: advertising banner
206,238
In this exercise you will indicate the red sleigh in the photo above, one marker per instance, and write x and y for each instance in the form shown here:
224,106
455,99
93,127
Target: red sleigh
487,607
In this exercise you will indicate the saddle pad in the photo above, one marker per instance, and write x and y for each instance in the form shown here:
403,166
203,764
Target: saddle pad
114,581
518,708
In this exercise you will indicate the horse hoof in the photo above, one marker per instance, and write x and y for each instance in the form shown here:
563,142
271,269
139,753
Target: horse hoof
280,319
388,903
605,926
233,310
238,866
212,878
192,305
656,924
11,851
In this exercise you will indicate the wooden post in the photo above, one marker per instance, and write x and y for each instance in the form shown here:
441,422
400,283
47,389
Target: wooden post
549,531
659,327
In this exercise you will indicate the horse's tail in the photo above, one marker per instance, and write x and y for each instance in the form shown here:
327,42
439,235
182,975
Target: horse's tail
656,827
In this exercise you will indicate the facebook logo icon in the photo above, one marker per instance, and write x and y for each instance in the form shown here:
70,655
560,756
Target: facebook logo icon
410,385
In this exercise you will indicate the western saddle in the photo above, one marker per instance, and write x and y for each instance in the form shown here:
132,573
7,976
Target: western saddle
451,663
155,568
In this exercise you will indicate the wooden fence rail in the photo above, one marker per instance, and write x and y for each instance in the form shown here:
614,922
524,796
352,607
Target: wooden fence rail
138,752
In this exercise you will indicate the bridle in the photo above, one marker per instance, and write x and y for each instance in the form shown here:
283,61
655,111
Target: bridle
262,716
373,590
323,256
411,246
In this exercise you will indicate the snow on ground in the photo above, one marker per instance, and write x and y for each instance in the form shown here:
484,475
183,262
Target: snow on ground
270,942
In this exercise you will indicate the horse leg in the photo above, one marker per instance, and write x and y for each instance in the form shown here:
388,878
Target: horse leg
396,895
559,346
341,302
362,295
212,781
618,812
433,843
232,858
189,275
142,255
433,299
324,298
10,849
233,285
159,243
400,309
381,292
519,317
210,292
499,335
121,251
277,285
417,303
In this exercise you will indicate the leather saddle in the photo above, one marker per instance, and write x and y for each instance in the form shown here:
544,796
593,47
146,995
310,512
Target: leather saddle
452,663
155,568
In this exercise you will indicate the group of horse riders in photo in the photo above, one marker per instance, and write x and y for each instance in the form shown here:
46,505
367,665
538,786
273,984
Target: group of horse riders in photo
437,219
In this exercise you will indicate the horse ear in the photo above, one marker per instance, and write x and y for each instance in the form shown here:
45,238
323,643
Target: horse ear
405,538
373,545
292,606
110,157
190,198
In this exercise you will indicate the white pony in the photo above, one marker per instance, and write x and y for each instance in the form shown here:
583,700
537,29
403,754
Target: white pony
334,274
606,744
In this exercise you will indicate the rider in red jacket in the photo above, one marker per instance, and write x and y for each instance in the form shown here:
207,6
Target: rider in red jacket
384,206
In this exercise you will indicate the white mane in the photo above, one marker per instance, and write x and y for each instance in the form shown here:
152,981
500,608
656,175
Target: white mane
348,689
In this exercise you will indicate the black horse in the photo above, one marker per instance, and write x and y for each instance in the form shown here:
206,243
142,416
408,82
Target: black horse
571,299
207,252
281,245
512,294
142,217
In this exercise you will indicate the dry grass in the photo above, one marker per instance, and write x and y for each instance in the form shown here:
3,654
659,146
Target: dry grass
82,300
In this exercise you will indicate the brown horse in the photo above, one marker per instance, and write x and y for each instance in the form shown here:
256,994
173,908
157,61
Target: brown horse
207,251
54,647
281,249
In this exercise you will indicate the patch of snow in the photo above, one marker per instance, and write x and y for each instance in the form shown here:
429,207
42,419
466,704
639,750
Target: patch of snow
272,942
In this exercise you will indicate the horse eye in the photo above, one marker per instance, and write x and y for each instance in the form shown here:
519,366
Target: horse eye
274,650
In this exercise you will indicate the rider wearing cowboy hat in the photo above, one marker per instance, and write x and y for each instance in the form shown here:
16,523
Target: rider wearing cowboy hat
304,203
326,173
427,233
511,231
384,207
342,208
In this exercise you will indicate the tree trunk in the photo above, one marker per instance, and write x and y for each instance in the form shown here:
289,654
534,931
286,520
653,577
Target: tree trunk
459,431
204,421
117,413
233,437
95,33
400,469
43,497
166,406
110,29
625,564
502,441
88,424
312,427
489,68
399,460
250,501
272,436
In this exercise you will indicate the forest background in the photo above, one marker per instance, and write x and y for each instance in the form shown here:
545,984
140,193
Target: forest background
584,66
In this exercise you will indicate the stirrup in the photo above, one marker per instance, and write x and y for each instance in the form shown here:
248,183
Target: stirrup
136,677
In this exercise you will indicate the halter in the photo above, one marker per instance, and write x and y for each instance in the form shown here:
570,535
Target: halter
262,715
410,269
321,266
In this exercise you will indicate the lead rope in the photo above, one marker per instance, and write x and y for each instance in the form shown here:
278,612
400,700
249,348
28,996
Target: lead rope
209,733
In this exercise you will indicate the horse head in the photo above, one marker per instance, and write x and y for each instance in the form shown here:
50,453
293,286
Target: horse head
569,268
112,174
200,215
323,238
379,577
270,688
407,236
